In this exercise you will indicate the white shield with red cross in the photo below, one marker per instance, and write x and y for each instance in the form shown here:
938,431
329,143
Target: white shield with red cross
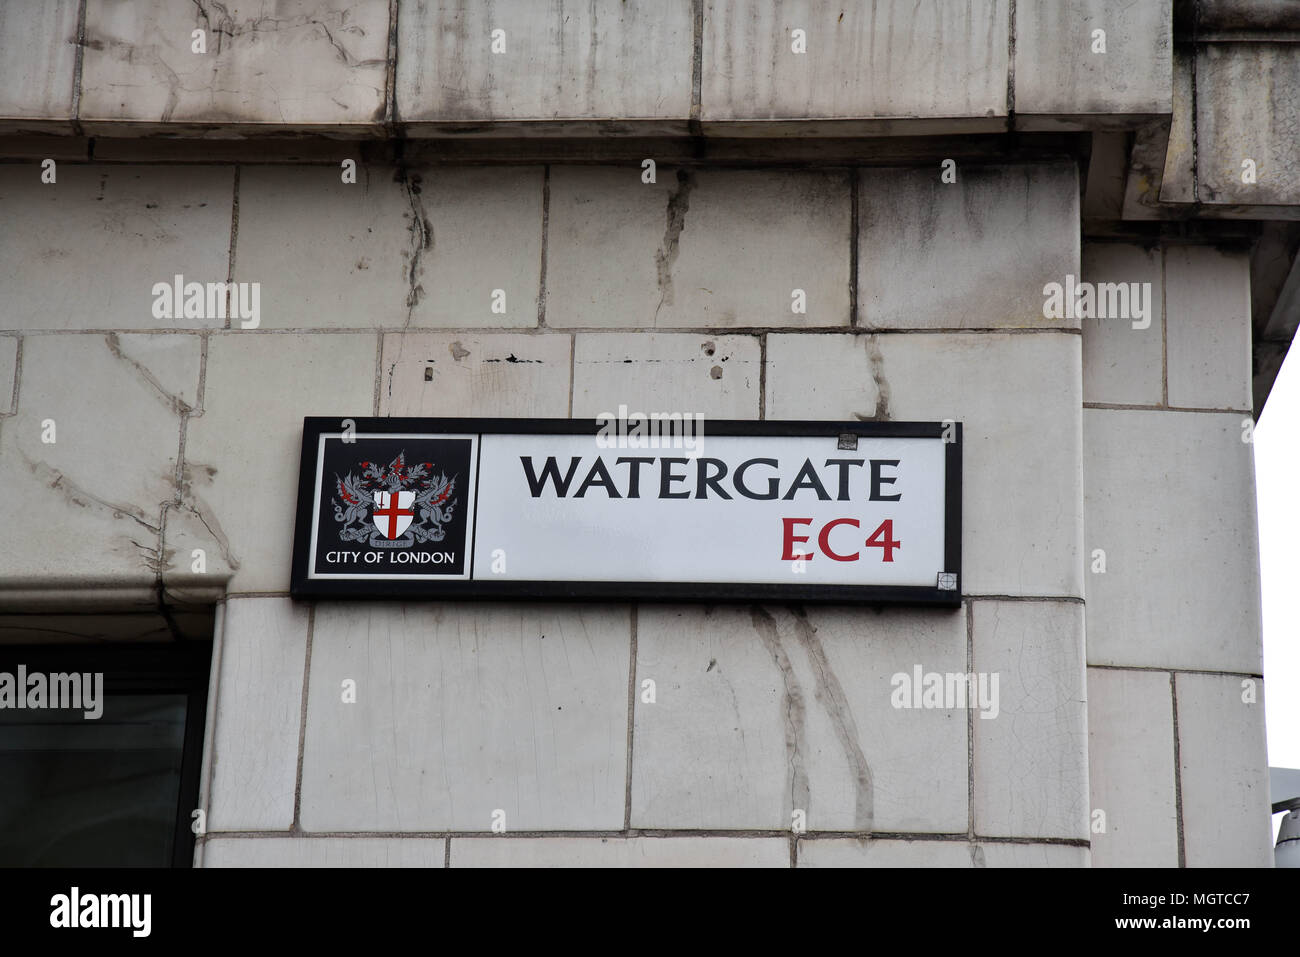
393,513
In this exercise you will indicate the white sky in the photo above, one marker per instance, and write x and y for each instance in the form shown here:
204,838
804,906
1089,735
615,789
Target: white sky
1277,483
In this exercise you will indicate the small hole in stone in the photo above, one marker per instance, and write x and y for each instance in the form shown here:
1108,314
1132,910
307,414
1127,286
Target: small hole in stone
708,348
428,374
716,372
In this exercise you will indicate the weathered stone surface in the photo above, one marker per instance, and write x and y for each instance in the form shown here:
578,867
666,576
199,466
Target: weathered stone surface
1177,527
720,248
38,54
1208,341
658,372
621,852
306,64
493,374
8,372
1248,107
323,852
893,61
242,455
1123,364
103,481
1131,768
604,60
1021,524
1067,75
149,223
971,254
1223,771
1031,760
1030,855
760,712
255,752
850,852
463,710
395,249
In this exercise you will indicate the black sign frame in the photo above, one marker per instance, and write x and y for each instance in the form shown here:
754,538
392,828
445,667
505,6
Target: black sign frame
303,587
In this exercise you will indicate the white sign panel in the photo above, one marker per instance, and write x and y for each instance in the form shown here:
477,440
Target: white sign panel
561,508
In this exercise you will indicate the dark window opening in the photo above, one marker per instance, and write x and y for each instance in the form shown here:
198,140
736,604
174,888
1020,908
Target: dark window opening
114,791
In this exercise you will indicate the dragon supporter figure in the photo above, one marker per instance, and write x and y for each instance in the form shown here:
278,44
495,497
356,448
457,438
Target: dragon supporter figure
397,489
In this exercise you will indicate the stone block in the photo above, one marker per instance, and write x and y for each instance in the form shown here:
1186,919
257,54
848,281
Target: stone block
720,248
620,852
463,710
850,852
892,66
1248,108
453,374
762,712
306,65
1131,767
1169,501
1069,76
150,223
104,478
38,55
666,372
1209,335
468,69
976,253
1021,523
394,250
1223,771
242,455
259,708
324,852
1031,759
1122,364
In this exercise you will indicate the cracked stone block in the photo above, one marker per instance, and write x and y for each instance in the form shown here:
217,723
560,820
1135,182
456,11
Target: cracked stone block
975,253
1021,524
323,852
8,372
621,852
850,852
514,64
242,454
1209,336
38,53
103,480
1131,767
303,65
1248,108
910,67
429,249
259,703
676,372
1069,77
760,712
721,248
1176,592
149,223
463,710
1223,771
1030,855
442,374
1122,364
1031,758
